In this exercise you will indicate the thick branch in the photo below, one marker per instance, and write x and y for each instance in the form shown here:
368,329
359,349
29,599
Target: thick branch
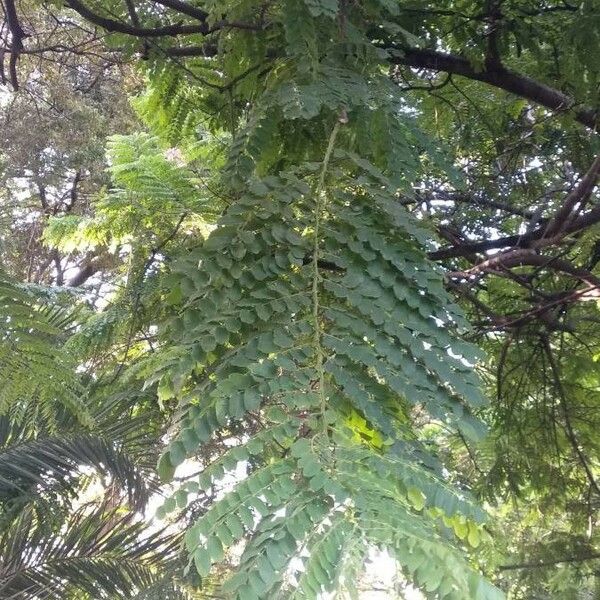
494,20
17,32
504,260
526,257
472,199
17,36
132,13
564,222
184,8
89,269
578,196
510,241
114,26
515,83
73,193
206,50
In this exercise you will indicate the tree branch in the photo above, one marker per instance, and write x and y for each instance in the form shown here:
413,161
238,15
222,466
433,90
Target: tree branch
132,13
512,82
578,196
564,222
17,36
206,50
114,26
494,20
527,257
89,269
184,8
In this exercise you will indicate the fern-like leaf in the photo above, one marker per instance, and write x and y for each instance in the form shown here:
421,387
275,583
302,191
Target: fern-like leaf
311,335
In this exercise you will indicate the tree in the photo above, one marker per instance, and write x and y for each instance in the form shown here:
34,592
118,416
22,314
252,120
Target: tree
54,169
314,130
56,442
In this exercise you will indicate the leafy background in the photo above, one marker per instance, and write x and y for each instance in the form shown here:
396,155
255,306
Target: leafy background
262,244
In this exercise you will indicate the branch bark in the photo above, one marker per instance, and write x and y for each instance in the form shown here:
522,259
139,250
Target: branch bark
578,196
114,26
89,269
565,221
527,257
499,77
184,8
17,36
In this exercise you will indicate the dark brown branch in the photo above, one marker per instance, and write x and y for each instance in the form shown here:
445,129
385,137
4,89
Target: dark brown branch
472,199
578,196
468,248
565,222
494,20
14,26
84,273
526,257
184,8
17,36
2,73
60,278
206,50
512,82
73,192
132,13
114,26
504,260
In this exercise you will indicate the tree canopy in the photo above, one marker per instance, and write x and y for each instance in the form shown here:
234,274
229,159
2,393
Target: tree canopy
316,278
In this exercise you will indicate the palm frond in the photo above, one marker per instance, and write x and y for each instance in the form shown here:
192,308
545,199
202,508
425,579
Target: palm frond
100,553
36,466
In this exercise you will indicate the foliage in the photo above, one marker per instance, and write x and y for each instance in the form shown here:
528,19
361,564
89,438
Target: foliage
31,358
101,554
296,348
311,319
55,168
259,292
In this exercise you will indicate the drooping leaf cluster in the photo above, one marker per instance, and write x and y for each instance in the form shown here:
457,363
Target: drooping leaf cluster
311,319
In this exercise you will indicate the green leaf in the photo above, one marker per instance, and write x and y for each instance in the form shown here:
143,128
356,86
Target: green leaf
165,468
202,561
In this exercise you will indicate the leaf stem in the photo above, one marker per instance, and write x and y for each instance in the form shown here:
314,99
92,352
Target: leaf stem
320,198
